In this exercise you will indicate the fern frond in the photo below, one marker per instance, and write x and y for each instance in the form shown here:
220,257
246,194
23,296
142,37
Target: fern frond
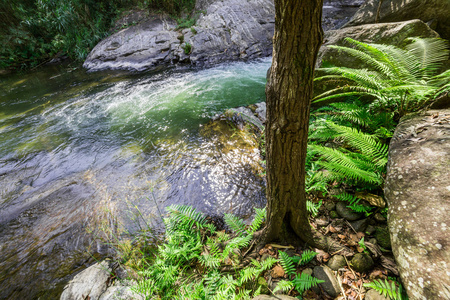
235,223
313,208
386,289
248,274
307,256
287,263
305,282
284,286
183,216
258,220
209,260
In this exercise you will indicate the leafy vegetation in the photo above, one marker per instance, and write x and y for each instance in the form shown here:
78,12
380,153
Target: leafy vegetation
396,80
189,261
388,289
33,32
299,283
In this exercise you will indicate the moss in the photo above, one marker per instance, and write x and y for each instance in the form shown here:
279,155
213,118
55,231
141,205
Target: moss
383,237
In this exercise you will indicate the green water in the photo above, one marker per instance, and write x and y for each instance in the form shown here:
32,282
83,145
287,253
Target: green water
78,150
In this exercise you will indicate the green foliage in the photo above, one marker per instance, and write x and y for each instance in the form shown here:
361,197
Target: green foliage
187,48
387,289
193,246
396,80
354,203
313,208
300,283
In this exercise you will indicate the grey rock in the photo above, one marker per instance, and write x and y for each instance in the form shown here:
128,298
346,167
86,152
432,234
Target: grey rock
230,30
331,285
360,225
261,111
347,213
362,262
336,262
241,116
374,295
436,12
417,190
308,271
91,282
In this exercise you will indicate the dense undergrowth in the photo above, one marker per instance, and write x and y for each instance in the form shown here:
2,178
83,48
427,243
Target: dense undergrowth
35,31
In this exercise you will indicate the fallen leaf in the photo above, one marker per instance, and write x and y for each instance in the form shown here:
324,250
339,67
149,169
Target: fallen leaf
278,272
360,235
341,236
333,230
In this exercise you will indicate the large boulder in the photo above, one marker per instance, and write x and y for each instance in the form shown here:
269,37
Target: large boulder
435,12
229,30
417,190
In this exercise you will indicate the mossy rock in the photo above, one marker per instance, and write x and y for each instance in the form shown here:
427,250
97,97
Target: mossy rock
334,214
362,262
383,237
263,284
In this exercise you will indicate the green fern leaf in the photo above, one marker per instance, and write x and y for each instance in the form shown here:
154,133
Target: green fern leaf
287,263
284,286
235,223
305,282
259,220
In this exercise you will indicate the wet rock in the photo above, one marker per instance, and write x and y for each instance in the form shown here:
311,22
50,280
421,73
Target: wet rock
331,285
360,225
347,213
383,237
241,116
433,11
374,295
362,262
261,111
336,262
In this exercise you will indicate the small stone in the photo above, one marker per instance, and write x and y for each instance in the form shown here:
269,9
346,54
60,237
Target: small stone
265,256
373,241
347,213
336,262
374,295
334,214
362,262
330,205
383,237
379,218
308,271
360,225
331,285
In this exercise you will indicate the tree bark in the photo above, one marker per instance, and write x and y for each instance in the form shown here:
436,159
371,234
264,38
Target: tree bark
297,39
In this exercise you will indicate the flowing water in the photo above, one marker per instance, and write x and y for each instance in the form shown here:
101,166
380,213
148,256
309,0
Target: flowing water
79,152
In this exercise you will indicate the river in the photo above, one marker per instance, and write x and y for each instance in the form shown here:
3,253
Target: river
80,152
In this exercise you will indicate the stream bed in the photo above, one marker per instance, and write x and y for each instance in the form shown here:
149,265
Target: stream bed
80,152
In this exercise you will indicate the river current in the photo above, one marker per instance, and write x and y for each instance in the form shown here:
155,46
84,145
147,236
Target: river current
84,151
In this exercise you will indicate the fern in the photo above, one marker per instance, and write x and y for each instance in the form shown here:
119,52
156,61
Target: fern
305,282
235,223
307,256
354,203
386,289
258,220
313,208
284,286
287,263
183,217
399,80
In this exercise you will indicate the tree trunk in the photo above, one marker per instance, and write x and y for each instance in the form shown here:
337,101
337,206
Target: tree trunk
298,36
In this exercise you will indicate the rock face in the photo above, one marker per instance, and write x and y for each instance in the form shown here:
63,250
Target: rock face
434,12
417,190
385,33
94,283
230,30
